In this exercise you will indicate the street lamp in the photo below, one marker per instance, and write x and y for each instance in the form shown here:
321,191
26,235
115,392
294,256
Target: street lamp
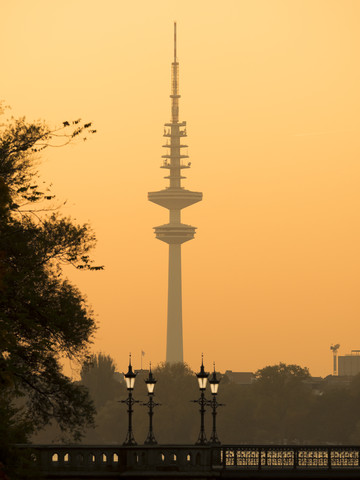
214,386
130,382
150,384
202,377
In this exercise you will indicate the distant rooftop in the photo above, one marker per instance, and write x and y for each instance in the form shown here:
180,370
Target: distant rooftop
241,378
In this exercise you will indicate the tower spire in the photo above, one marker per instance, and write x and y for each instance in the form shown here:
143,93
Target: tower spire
174,41
175,85
174,197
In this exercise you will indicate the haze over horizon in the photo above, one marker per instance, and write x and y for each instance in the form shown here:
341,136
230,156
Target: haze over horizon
270,93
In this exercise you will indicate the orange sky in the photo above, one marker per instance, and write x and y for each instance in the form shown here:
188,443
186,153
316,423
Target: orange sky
271,93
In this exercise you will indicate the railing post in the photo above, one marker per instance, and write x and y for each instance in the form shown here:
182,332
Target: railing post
259,462
296,458
266,457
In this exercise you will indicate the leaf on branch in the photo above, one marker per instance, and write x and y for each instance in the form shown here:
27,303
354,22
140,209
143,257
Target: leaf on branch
76,132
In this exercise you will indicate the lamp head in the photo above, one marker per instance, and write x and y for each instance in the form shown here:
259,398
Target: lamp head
150,382
130,376
214,382
202,376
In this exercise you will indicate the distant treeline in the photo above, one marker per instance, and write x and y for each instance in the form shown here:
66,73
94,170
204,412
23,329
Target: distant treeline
280,406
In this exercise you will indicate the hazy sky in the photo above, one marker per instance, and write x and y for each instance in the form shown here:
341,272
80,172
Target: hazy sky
271,93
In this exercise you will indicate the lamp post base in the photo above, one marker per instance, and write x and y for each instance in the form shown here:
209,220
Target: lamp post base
214,440
130,440
202,440
150,440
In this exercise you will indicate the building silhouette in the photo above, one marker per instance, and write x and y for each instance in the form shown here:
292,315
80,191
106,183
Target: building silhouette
349,365
174,197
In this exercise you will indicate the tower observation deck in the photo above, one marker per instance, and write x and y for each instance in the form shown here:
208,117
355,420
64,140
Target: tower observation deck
174,198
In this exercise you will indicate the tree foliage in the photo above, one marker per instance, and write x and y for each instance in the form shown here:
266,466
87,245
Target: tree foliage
43,317
177,420
282,401
98,376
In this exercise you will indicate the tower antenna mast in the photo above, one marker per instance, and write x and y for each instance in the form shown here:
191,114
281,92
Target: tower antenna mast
174,41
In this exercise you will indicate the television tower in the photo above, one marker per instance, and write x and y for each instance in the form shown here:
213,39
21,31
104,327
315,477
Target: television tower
174,198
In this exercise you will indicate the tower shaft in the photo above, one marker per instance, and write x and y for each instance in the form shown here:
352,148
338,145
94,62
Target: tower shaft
174,340
174,198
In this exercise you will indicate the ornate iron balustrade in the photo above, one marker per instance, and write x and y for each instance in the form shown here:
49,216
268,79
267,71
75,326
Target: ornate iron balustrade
289,457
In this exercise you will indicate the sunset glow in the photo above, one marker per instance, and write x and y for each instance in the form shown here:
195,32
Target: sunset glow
270,90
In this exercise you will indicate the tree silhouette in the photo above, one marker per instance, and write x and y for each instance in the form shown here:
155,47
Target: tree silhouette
42,316
98,376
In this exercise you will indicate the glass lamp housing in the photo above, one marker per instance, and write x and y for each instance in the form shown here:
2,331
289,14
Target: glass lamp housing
214,383
150,383
130,378
202,377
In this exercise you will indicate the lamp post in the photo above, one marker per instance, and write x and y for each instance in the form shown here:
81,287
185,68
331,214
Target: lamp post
130,382
150,384
214,386
202,377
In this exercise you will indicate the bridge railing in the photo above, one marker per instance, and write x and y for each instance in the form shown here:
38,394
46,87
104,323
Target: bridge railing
289,457
57,459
